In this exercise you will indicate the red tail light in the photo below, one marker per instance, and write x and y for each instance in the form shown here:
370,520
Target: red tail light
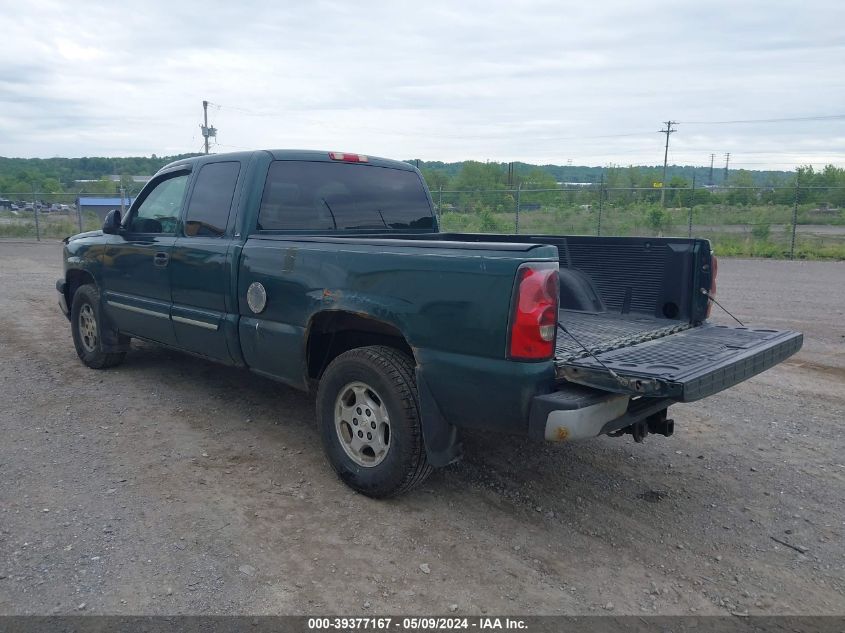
534,316
348,158
714,269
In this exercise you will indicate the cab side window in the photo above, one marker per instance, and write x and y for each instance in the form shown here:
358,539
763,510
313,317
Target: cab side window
159,211
211,200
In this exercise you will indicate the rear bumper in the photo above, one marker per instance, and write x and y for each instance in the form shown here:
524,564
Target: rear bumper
581,412
60,288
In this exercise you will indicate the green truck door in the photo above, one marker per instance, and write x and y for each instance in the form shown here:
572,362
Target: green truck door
200,268
136,262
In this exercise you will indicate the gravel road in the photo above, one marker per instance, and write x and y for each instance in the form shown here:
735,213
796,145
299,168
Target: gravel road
173,486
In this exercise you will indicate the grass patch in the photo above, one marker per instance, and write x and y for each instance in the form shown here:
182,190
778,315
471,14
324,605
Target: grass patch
49,225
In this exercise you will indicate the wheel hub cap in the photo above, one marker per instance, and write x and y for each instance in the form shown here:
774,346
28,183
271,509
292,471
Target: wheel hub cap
362,424
88,328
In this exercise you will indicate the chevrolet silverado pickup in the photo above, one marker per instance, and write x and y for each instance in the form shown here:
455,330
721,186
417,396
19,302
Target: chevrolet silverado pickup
326,271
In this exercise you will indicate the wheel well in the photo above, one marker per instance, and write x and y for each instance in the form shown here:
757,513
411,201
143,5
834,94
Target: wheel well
75,279
332,333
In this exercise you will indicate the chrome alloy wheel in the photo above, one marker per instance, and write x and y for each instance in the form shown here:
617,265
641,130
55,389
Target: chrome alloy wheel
362,424
88,328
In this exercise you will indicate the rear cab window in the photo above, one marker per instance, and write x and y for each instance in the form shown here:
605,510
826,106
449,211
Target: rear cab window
322,196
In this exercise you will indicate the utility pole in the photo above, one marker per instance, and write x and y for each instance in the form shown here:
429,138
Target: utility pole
207,132
727,162
710,179
667,132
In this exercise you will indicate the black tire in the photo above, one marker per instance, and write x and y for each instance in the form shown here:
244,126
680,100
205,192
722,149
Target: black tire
390,373
84,306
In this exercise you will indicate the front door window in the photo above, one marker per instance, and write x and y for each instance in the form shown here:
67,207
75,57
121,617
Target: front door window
159,211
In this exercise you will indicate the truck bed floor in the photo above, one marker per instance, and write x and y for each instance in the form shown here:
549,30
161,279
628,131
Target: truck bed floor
606,331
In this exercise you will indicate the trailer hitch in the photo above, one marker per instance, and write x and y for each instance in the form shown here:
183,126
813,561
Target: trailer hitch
657,424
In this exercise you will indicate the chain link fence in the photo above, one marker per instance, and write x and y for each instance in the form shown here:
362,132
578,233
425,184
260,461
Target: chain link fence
55,215
794,221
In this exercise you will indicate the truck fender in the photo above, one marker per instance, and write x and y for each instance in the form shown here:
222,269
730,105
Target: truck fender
112,340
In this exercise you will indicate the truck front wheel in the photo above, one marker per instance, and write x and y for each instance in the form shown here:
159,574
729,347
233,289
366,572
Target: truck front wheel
368,411
87,328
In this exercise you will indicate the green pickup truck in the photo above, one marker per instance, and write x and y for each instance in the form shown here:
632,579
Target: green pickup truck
327,272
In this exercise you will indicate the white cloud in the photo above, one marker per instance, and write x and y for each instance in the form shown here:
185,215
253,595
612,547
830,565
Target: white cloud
76,52
519,80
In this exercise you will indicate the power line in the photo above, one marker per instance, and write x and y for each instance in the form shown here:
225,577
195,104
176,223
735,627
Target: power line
827,117
244,110
667,131
240,147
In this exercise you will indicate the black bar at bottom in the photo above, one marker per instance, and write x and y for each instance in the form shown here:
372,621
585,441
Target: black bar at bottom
524,624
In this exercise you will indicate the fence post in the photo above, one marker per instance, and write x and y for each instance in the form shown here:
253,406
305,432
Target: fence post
601,203
691,202
794,218
79,214
516,223
35,211
439,204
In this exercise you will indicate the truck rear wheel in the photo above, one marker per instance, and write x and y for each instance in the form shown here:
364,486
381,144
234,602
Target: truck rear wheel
87,327
368,411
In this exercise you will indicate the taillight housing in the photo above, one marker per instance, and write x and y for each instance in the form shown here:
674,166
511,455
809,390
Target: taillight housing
346,157
533,324
714,269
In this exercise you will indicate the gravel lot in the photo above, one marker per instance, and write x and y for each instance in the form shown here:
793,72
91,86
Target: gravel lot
170,485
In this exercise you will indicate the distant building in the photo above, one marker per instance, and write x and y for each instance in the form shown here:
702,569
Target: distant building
137,179
141,180
101,206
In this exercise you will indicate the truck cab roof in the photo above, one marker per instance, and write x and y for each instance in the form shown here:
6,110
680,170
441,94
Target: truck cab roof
294,154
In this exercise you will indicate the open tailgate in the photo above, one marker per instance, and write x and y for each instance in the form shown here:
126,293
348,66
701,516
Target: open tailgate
685,365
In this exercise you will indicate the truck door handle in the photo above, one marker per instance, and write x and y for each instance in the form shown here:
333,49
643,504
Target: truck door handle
160,259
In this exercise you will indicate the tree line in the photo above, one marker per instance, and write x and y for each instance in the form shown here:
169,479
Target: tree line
685,186
624,184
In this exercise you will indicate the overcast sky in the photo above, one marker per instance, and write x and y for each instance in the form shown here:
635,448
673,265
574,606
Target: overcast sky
543,82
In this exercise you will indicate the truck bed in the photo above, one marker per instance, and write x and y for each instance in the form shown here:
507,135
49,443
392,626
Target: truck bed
635,304
604,332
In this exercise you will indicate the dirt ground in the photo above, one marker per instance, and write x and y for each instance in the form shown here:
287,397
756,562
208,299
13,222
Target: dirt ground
170,485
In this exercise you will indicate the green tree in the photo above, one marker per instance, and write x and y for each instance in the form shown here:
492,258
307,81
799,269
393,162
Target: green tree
745,193
103,185
435,178
536,179
475,176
